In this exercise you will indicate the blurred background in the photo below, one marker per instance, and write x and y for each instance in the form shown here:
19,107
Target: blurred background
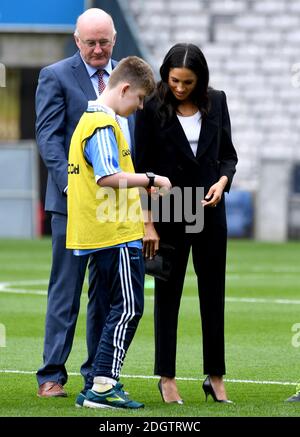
253,52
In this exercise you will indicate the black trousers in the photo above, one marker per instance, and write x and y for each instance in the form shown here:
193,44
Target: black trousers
209,260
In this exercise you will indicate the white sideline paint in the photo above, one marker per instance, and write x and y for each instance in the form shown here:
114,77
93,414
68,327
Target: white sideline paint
6,287
235,381
262,300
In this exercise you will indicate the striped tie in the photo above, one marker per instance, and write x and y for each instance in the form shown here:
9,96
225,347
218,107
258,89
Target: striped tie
101,83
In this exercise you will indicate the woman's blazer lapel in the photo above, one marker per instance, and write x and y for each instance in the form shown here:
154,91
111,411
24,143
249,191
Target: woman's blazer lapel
209,128
176,134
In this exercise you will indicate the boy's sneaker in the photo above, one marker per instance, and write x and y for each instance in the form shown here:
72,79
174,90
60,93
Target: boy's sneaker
82,395
296,396
119,386
80,399
112,398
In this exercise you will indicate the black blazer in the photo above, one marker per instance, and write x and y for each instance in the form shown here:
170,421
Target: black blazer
165,150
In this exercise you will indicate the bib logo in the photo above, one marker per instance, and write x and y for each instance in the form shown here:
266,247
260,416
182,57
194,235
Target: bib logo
125,152
73,169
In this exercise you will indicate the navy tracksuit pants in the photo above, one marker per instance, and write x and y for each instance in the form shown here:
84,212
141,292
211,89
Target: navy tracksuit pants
121,277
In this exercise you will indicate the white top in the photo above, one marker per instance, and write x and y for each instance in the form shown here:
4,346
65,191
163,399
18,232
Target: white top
191,126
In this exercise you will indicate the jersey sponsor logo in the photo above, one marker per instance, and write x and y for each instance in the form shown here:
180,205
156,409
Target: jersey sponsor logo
73,169
125,152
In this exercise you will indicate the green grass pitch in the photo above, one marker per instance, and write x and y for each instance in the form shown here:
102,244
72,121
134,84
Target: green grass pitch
262,350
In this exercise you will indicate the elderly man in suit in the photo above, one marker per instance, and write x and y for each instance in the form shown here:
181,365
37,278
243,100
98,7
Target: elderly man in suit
63,92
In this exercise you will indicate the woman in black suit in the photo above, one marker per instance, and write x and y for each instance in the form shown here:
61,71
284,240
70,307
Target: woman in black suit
184,133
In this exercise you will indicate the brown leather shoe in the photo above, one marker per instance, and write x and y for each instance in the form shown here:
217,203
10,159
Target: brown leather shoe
51,389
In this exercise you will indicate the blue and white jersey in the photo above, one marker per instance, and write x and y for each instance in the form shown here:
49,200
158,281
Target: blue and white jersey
96,105
102,153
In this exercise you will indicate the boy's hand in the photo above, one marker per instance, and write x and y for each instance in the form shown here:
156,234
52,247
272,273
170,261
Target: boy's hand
163,182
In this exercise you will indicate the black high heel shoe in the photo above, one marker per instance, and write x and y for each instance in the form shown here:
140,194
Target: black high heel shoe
208,390
179,402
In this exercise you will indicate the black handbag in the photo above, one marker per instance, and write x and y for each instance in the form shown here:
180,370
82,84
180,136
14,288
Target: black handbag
160,266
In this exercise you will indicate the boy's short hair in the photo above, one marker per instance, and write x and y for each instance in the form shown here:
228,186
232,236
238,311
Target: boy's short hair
136,72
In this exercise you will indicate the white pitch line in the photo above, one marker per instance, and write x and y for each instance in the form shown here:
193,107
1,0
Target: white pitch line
151,298
235,381
6,287
261,300
20,291
231,299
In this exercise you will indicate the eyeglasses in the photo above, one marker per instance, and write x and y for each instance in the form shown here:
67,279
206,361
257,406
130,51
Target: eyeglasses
103,43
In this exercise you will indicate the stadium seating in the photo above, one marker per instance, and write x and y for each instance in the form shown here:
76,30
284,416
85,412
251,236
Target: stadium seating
240,213
252,48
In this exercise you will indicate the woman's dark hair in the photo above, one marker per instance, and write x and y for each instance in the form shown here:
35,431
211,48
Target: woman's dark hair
183,56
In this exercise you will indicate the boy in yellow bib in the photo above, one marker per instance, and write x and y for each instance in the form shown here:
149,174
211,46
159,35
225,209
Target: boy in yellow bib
105,217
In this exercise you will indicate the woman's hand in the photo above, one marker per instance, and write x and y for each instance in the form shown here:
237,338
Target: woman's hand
150,241
215,192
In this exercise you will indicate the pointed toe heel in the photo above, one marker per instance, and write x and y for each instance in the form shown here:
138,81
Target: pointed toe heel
160,390
179,401
208,390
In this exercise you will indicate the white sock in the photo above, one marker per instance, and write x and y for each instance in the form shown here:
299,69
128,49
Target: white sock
103,383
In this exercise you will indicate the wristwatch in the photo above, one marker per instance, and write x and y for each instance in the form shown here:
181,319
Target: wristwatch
151,177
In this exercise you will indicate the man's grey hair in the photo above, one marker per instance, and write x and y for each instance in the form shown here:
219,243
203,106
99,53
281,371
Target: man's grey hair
94,11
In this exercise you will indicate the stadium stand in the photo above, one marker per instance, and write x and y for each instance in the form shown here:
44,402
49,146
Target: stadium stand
253,49
250,47
240,213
